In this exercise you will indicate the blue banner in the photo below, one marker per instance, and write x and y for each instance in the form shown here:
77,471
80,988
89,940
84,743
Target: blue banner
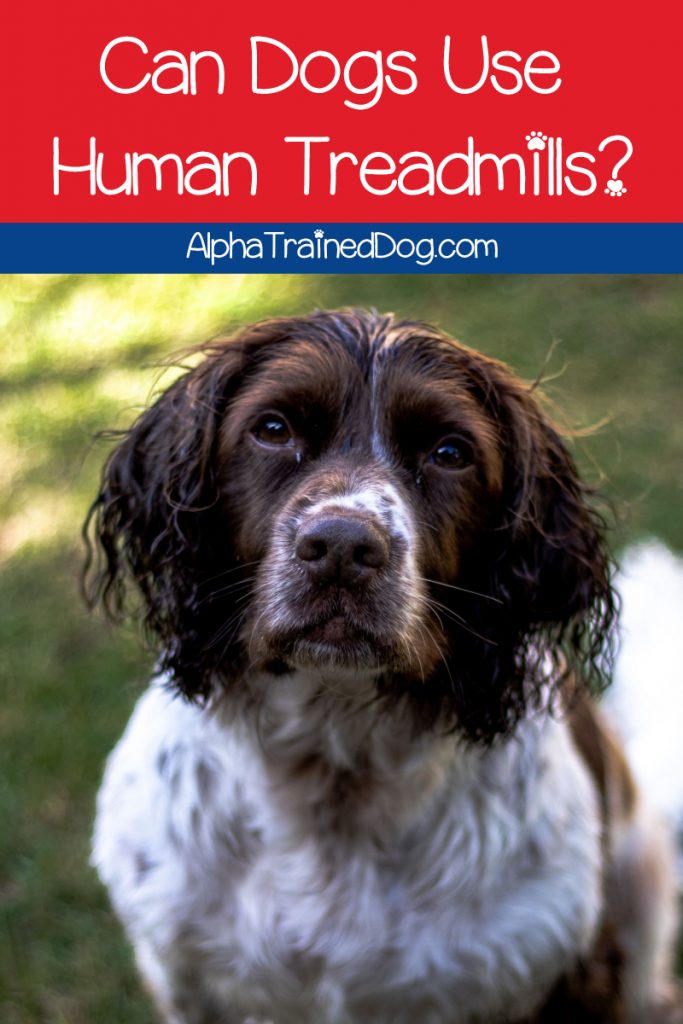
342,248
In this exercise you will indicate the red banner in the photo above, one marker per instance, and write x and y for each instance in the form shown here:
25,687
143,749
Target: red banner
355,112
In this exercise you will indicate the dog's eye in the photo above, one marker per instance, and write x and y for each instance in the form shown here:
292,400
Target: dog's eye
452,453
273,431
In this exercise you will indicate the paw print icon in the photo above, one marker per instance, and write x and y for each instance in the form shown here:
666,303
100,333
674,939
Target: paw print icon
615,187
536,140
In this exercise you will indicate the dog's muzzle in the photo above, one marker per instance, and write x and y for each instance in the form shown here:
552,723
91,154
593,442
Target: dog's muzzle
340,583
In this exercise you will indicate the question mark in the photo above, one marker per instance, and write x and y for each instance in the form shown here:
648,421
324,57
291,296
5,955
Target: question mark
615,187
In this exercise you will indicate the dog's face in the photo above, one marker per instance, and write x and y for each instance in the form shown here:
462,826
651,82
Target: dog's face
356,473
344,491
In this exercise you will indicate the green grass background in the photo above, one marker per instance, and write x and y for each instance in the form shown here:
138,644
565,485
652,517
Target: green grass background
79,354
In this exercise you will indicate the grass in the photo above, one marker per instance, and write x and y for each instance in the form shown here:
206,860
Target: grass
79,354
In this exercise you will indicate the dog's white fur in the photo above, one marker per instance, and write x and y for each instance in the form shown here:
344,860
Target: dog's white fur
475,880
646,700
458,889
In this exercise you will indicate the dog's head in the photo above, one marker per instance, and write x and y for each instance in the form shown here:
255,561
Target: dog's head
346,491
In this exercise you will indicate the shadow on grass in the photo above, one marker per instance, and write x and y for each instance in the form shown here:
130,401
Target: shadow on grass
71,685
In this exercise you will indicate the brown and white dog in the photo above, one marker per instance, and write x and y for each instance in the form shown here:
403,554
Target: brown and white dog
371,568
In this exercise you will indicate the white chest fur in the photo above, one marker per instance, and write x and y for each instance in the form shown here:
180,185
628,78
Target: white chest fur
316,865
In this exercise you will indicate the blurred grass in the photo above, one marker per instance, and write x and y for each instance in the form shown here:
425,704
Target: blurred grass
78,354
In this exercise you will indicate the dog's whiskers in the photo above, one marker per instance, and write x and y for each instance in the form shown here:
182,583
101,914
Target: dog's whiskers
458,619
462,590
230,588
229,572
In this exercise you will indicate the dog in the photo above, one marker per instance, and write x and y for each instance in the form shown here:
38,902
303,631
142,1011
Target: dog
369,784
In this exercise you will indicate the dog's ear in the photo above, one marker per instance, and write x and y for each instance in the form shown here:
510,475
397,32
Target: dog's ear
155,519
554,565
545,562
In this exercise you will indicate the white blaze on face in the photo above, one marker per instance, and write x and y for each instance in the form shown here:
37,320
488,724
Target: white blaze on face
381,502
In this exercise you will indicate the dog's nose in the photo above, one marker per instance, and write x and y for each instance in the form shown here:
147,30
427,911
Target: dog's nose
341,549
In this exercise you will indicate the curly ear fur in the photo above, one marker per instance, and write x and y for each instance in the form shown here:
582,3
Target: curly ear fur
545,560
157,518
